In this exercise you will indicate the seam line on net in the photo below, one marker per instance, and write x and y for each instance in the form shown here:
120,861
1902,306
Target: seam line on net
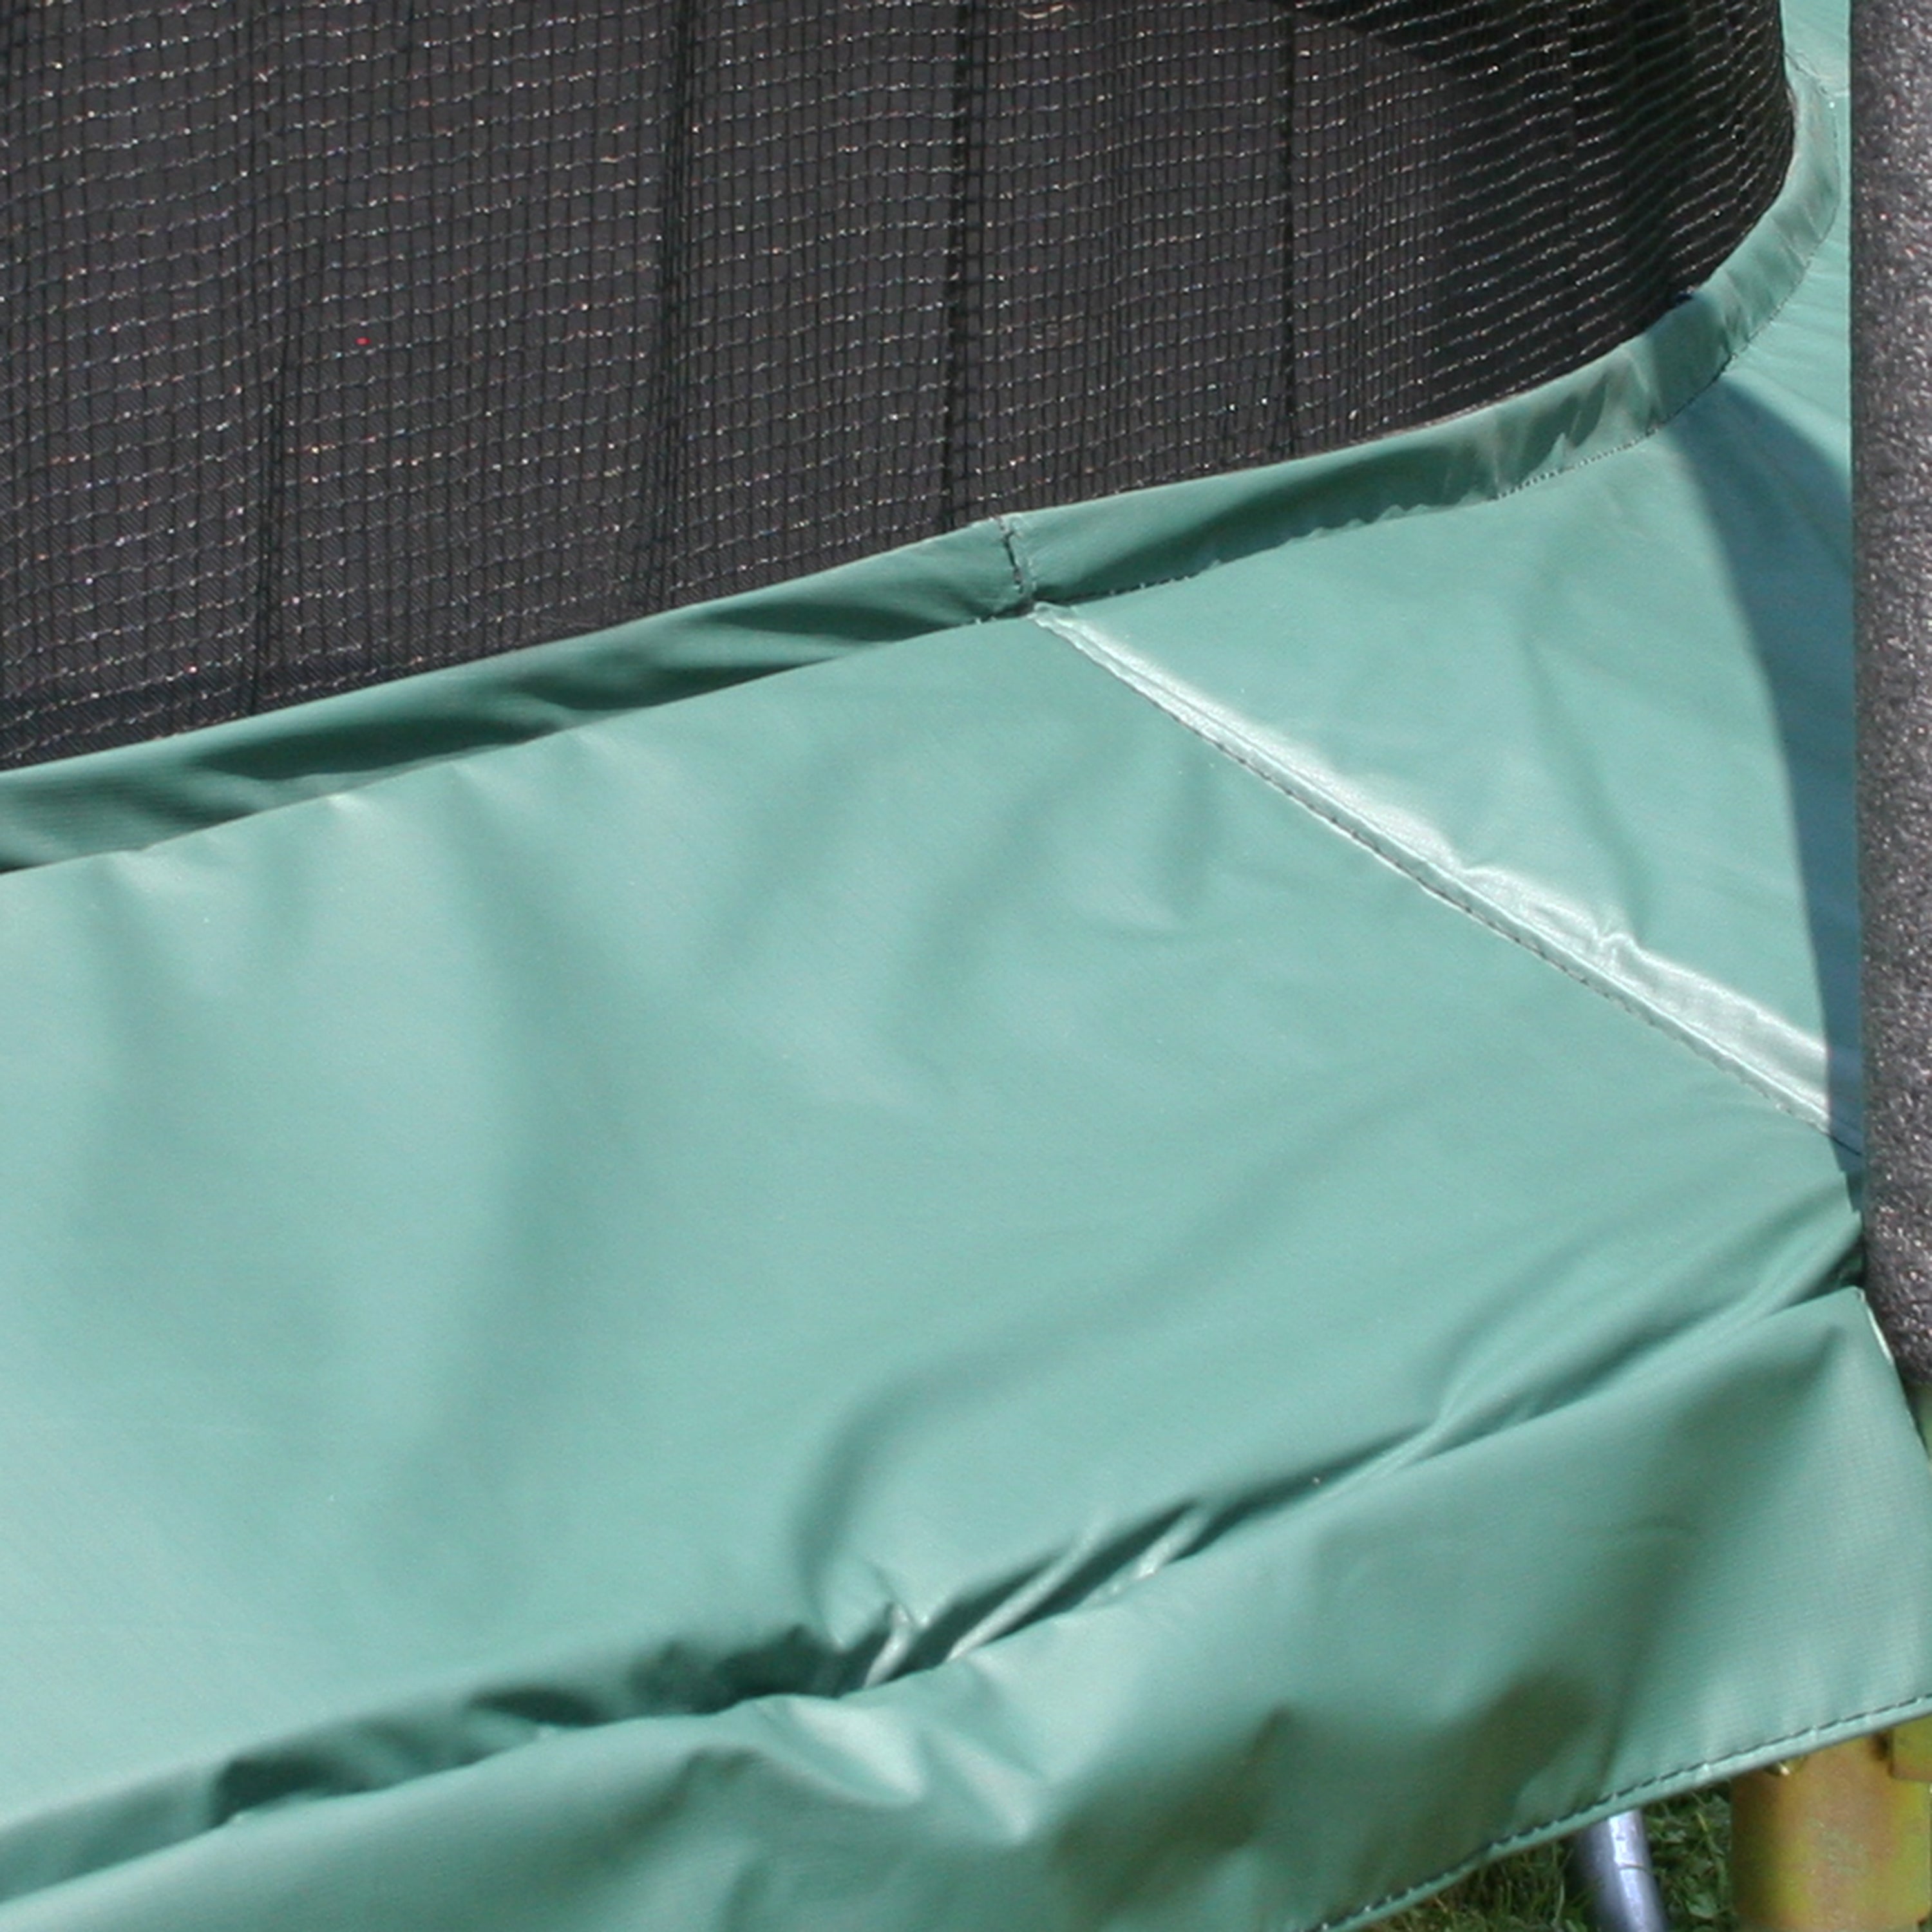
1240,749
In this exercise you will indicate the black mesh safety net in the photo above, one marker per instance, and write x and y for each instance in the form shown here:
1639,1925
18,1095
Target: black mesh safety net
345,340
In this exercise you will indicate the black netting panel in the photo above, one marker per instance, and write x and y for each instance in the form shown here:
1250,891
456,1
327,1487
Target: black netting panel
342,340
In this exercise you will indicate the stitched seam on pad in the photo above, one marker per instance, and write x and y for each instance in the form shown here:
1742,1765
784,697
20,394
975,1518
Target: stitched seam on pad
1220,735
1019,561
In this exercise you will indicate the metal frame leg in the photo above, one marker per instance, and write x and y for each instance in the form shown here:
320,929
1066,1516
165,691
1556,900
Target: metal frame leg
1838,1841
1610,1861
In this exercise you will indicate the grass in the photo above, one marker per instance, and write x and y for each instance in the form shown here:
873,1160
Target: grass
1689,1841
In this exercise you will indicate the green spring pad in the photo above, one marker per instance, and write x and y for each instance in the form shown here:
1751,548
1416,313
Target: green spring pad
1144,1219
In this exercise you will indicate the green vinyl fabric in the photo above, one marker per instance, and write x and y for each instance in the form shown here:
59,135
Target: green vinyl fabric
1145,1219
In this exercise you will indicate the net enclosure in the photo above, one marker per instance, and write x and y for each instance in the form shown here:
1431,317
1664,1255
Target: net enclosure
345,340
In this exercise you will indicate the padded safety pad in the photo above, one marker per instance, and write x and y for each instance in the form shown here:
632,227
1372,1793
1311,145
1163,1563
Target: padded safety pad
1145,1219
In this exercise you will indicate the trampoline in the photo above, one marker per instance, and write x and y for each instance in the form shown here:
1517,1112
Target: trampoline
1114,1179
